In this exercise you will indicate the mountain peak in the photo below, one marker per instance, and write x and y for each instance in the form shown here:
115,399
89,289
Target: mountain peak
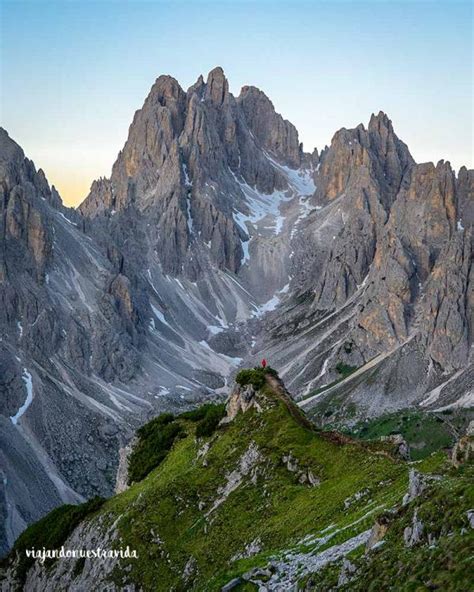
197,86
9,149
217,86
275,134
166,87
217,72
379,122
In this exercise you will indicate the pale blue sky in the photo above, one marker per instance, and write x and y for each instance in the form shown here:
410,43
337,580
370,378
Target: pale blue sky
73,73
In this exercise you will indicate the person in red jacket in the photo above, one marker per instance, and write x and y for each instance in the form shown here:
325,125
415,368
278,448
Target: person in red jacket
264,363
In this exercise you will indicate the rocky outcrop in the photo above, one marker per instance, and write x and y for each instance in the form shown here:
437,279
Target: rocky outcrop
401,448
417,484
121,479
445,313
303,475
248,467
463,450
241,399
25,229
421,222
378,532
348,569
412,534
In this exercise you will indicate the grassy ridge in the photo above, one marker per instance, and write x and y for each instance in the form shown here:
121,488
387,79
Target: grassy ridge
208,492
52,531
271,507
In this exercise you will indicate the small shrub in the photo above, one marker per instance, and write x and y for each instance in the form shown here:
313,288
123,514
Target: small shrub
208,424
162,420
344,369
255,376
155,440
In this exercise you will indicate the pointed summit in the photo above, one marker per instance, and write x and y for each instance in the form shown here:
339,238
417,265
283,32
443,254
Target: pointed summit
197,86
166,88
382,116
275,134
217,86
379,122
9,149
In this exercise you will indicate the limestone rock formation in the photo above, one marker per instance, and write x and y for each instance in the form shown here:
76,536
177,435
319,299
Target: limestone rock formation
241,400
180,163
383,280
412,534
217,240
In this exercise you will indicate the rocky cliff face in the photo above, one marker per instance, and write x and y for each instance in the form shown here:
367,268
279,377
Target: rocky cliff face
218,239
59,435
386,287
180,165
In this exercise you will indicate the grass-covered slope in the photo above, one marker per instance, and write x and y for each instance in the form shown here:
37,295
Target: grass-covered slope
184,503
263,490
425,432
156,438
50,532
442,558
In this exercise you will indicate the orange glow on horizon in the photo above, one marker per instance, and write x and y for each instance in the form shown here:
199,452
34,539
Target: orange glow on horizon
73,188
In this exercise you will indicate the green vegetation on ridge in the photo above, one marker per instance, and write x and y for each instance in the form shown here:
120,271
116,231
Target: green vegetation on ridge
52,531
441,560
254,376
156,438
154,441
424,432
182,500
226,498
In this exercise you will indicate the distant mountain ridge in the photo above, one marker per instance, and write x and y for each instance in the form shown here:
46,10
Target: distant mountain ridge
218,240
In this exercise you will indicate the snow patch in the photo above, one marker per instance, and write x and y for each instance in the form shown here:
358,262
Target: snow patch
272,303
160,316
189,219
245,249
67,219
27,379
301,180
162,392
267,307
187,181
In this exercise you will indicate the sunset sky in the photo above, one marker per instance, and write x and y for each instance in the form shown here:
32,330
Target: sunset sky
73,73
